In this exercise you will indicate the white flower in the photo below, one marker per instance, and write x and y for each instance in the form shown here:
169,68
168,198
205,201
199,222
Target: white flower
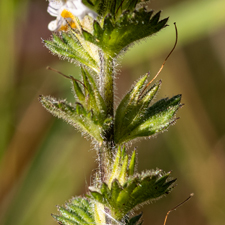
65,12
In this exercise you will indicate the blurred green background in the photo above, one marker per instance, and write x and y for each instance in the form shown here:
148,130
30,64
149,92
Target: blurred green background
44,161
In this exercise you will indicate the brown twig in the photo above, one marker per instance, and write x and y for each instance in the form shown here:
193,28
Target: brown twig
163,62
191,195
68,77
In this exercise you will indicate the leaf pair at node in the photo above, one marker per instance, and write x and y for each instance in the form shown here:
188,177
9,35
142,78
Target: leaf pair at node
123,195
81,211
123,191
134,116
138,190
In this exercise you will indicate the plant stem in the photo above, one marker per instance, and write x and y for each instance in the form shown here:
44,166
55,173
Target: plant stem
107,91
107,88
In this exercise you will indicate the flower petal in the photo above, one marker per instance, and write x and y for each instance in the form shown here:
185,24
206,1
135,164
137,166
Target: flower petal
74,8
54,7
53,25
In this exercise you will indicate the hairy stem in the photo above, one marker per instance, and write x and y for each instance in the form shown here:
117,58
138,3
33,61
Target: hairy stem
107,91
107,85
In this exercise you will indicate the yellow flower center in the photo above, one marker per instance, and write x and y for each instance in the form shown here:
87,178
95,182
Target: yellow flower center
68,15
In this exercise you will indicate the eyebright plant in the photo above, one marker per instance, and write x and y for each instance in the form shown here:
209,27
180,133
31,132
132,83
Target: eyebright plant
93,34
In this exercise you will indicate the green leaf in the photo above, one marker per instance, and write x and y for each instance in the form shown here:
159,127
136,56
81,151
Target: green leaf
125,110
76,115
136,118
113,37
105,191
71,216
82,202
132,164
115,189
78,211
134,220
121,169
114,7
95,100
98,197
82,212
88,114
123,172
79,95
64,221
156,118
116,167
69,47
140,189
126,193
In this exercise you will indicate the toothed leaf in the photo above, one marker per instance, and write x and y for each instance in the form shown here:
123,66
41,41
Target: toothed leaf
135,118
124,112
71,216
116,167
82,212
121,169
68,46
95,100
82,202
77,116
98,197
114,7
123,172
64,221
78,211
116,189
142,188
79,95
113,37
155,119
134,220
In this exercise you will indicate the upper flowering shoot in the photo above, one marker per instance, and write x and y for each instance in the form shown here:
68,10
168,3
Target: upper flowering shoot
112,26
65,12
